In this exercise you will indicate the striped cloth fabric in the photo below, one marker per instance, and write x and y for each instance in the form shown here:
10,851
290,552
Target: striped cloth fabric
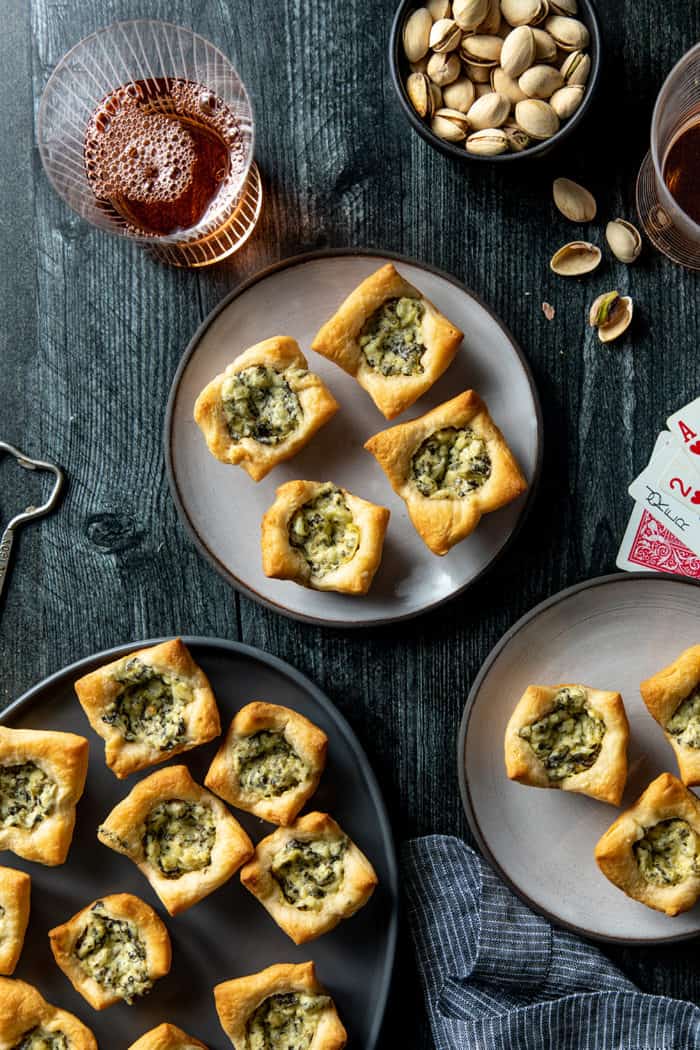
498,977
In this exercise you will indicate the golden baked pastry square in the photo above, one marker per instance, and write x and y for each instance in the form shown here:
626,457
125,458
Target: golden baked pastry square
42,776
269,763
167,1037
15,893
391,338
309,876
113,950
672,697
323,537
571,737
148,706
286,997
264,407
25,1014
180,836
652,851
450,466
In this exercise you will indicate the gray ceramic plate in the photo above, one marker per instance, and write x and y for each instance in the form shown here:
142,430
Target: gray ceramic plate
228,934
221,507
610,633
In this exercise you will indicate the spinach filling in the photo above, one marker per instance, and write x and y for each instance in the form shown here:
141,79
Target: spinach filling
569,737
325,532
685,721
668,853
27,795
111,952
267,764
179,837
150,706
450,464
391,339
285,1022
41,1039
259,403
306,872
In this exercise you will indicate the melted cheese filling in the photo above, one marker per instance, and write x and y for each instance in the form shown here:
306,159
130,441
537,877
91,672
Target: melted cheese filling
307,872
179,837
569,737
27,795
324,531
285,1022
41,1039
112,952
259,403
450,464
391,340
150,706
267,765
685,721
668,853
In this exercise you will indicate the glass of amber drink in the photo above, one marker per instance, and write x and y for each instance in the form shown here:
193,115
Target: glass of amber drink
146,130
668,186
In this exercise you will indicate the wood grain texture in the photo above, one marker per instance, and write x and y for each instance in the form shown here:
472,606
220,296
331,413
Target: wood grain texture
93,331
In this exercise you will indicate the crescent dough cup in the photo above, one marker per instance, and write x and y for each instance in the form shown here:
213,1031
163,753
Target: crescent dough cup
15,892
665,799
167,1037
304,924
318,405
238,999
442,523
282,561
200,716
58,757
23,1008
338,340
663,693
124,907
124,831
297,734
605,779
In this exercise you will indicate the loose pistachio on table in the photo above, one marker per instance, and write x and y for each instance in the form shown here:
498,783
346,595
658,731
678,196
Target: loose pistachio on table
575,259
574,201
624,240
513,69
611,313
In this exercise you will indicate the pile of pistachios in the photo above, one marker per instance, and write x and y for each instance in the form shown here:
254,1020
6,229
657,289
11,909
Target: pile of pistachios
496,75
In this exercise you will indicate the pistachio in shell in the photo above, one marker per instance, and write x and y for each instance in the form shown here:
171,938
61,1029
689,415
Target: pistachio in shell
517,139
489,111
482,49
445,35
508,86
478,74
545,47
573,200
444,69
518,51
569,33
450,124
575,259
576,67
439,9
566,100
416,34
612,315
459,95
492,21
540,81
536,118
523,12
488,142
468,14
418,89
624,239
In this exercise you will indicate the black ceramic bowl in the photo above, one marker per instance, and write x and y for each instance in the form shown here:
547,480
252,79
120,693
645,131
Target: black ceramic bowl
400,71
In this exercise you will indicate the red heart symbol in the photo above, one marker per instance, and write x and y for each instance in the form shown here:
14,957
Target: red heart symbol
696,497
695,448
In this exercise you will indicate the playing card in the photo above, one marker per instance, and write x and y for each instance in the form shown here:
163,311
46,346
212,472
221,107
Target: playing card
648,546
667,496
685,427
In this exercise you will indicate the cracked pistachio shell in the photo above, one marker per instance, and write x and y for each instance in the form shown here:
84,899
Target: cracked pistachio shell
469,13
540,81
574,201
416,34
612,315
488,142
444,69
445,35
569,33
492,21
536,118
439,9
489,111
624,239
576,67
566,100
460,95
518,51
482,49
563,7
517,139
418,89
575,259
478,74
545,47
523,12
450,124
508,86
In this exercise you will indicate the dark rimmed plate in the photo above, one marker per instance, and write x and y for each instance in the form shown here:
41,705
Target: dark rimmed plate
228,934
222,508
611,633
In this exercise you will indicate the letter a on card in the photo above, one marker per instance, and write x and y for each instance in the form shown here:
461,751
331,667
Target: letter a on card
685,427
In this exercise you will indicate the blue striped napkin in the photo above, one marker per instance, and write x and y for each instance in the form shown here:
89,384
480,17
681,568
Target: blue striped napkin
498,977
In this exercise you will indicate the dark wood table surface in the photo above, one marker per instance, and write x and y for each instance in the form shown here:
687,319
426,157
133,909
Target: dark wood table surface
92,331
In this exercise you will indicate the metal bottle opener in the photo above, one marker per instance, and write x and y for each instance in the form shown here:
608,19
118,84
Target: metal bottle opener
30,513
